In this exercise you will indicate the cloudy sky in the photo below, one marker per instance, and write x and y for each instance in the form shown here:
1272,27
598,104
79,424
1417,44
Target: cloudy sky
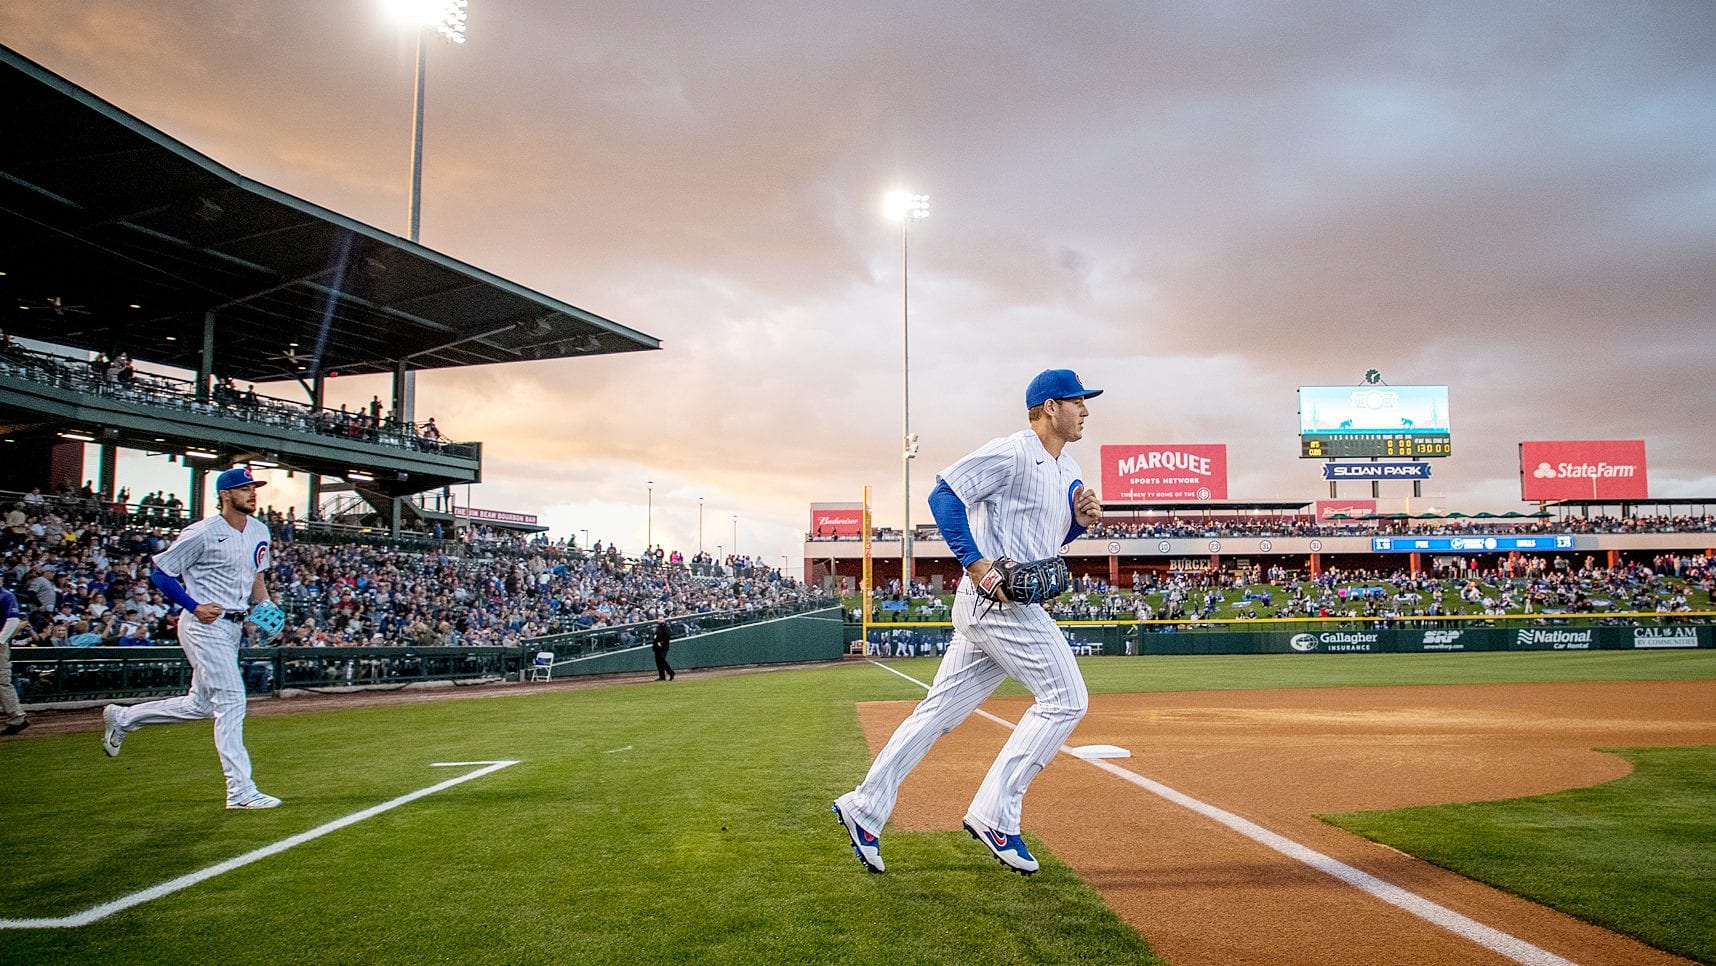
1198,206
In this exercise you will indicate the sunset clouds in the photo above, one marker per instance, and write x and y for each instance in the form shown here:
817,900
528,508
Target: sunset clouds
1199,206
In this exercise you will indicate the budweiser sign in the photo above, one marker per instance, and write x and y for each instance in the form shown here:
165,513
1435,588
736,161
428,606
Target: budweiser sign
1591,469
1169,471
836,519
1351,509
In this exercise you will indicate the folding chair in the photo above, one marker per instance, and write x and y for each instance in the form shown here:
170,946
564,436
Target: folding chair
543,667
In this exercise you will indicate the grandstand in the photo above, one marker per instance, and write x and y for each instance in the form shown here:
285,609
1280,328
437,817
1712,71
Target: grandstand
157,289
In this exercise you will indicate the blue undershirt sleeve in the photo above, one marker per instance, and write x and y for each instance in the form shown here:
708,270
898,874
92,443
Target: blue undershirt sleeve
1075,531
171,587
949,512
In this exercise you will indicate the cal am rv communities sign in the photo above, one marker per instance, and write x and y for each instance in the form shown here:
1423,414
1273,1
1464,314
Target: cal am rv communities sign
1651,637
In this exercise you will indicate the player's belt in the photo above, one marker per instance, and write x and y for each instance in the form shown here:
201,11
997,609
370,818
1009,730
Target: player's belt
236,616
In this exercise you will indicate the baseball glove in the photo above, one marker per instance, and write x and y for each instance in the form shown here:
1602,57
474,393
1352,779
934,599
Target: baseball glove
269,619
1024,583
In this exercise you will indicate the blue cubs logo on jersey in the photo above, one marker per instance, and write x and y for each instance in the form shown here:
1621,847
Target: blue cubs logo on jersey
262,555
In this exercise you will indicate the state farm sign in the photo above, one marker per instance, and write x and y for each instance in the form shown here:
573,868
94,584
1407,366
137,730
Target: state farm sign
1170,471
836,519
1589,469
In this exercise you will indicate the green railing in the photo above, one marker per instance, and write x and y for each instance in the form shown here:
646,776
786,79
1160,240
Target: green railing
51,675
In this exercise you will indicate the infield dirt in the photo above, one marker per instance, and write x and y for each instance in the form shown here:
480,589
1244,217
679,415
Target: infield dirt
1204,895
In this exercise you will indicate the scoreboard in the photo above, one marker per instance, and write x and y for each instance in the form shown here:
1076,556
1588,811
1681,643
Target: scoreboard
1352,446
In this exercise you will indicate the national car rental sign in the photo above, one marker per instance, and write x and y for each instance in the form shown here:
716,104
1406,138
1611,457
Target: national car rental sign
1585,469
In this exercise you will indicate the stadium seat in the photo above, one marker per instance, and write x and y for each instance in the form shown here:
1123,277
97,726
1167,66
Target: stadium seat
542,669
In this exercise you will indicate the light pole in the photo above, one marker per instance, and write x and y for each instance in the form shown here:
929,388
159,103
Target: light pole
700,526
735,534
649,516
447,18
586,534
905,208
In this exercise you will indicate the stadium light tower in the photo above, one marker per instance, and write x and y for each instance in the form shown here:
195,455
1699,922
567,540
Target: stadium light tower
905,208
649,516
447,18
700,526
444,17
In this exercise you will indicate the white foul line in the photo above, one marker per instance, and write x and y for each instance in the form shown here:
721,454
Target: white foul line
106,909
1492,939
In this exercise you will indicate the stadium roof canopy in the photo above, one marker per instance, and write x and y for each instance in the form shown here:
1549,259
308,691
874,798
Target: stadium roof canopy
1209,506
1668,501
114,236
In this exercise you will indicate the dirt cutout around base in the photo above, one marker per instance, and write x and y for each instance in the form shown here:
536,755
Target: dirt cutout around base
1204,895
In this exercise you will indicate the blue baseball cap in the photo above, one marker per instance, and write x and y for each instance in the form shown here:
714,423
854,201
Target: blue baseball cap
236,477
1056,384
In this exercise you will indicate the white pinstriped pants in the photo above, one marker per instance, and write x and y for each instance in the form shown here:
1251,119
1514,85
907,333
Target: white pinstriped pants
1009,640
217,691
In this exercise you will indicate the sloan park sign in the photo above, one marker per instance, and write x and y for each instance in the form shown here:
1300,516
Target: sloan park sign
1376,471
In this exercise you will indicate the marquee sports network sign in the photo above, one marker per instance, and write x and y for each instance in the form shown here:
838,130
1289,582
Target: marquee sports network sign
1165,471
1591,469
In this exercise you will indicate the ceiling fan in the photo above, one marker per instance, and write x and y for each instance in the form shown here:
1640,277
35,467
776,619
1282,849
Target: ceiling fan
53,304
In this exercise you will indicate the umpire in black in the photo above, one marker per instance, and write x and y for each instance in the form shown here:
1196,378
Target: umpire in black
663,637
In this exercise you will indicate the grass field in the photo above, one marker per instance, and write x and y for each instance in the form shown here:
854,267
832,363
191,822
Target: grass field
683,822
1637,855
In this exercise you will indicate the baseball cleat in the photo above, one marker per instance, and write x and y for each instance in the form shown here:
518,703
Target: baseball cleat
16,726
256,800
112,736
1009,849
865,845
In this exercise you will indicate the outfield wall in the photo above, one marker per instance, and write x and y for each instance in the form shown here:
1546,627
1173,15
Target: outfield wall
72,676
1419,640
814,636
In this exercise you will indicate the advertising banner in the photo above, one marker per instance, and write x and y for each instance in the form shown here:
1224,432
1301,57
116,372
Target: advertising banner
1376,471
1165,471
1453,638
493,516
832,521
1590,469
1351,509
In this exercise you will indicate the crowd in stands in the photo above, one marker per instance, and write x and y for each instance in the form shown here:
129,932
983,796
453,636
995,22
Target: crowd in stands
1522,585
1284,526
117,375
81,570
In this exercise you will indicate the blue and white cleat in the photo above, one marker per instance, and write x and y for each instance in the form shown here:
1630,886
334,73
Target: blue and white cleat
865,845
1009,849
254,800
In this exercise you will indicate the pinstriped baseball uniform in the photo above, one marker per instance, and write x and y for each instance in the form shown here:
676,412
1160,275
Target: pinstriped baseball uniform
1018,501
218,565
9,612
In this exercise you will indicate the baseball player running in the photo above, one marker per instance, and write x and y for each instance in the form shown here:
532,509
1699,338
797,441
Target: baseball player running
1005,511
11,618
214,571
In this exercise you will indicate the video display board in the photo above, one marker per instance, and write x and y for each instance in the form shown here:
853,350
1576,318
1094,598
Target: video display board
1362,422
